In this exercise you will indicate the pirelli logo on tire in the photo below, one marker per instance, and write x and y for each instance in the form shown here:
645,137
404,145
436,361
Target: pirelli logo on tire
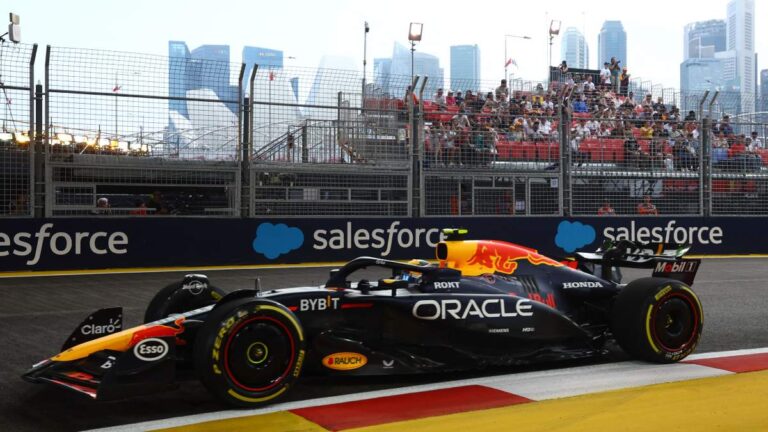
345,361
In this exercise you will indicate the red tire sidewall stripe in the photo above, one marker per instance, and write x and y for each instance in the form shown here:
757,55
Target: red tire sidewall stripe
696,323
229,341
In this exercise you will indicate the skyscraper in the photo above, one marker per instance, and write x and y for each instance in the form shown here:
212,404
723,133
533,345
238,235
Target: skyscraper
764,93
424,65
702,39
206,67
612,42
740,41
707,64
264,57
465,67
382,68
574,49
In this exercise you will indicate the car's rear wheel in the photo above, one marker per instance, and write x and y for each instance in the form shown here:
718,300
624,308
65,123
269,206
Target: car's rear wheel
658,320
249,352
192,292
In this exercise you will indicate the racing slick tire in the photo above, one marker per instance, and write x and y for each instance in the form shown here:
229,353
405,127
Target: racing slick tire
657,320
192,292
249,352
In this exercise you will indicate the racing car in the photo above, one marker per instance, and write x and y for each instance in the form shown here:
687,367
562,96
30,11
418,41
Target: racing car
483,303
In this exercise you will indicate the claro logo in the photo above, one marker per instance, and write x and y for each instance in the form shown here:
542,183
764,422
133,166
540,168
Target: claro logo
379,238
33,245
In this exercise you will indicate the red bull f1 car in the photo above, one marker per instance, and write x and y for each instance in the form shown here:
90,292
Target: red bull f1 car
485,303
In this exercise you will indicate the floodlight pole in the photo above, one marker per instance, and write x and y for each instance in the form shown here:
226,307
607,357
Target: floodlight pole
365,56
413,48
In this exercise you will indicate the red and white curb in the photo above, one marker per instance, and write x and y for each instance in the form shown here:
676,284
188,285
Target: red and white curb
351,410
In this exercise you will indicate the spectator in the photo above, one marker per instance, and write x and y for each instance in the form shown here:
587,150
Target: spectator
725,126
140,209
646,207
440,98
102,207
490,104
691,116
614,67
502,92
450,99
624,82
756,141
684,155
606,210
580,105
605,76
648,101
157,203
563,68
633,155
459,98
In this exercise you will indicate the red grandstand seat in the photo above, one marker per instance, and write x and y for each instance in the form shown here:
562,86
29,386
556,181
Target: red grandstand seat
645,145
529,150
636,132
516,150
592,147
504,150
614,149
763,153
547,151
447,114
722,185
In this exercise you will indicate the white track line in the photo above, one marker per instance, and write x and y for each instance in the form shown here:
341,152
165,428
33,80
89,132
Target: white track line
538,385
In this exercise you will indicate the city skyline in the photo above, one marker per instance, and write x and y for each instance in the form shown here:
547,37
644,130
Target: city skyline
611,42
574,49
144,27
465,67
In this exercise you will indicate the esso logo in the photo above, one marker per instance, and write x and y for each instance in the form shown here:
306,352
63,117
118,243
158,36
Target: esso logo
150,349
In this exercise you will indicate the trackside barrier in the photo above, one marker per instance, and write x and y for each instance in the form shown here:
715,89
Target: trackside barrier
87,243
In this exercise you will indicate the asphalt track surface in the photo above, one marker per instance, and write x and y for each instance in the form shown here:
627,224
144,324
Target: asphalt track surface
38,313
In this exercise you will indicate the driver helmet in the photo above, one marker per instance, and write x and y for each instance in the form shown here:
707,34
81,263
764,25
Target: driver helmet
413,276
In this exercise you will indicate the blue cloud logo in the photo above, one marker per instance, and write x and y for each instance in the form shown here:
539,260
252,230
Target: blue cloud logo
574,235
275,240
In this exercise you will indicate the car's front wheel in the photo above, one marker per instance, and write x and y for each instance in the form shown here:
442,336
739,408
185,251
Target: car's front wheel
192,292
249,351
657,320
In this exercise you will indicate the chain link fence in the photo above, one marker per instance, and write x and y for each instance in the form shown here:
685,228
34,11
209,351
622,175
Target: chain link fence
139,135
16,137
136,134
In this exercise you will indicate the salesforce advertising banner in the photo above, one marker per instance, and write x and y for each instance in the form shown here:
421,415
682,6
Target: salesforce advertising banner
56,244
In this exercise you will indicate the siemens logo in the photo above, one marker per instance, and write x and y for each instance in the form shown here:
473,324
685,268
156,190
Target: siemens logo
380,238
33,245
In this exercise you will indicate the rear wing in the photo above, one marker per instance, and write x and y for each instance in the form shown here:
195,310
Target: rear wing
635,255
666,259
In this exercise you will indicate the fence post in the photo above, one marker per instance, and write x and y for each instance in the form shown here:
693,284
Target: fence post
34,120
566,198
705,194
43,184
245,169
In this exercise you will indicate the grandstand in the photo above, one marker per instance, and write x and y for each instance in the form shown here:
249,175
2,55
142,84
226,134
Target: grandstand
314,142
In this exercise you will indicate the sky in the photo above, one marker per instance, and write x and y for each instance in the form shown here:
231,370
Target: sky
307,30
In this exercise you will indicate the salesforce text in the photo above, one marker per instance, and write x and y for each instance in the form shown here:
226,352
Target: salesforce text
61,243
668,234
378,238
